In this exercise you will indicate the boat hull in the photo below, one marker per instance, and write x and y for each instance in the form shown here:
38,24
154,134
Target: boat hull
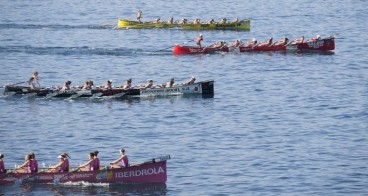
262,48
243,25
203,87
327,44
184,50
154,172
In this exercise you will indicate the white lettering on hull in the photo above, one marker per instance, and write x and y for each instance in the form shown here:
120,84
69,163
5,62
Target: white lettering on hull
316,44
138,173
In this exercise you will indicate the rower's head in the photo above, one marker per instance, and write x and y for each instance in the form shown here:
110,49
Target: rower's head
122,151
32,155
129,80
150,81
35,73
200,35
318,36
1,156
172,80
95,153
91,155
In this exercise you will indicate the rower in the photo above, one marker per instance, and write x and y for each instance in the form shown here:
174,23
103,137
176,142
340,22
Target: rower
123,158
198,40
2,165
171,21
212,21
139,16
90,165
35,77
282,42
318,37
62,166
66,86
183,21
34,163
223,21
149,84
96,163
191,80
31,83
27,166
298,40
87,85
170,83
197,21
266,43
108,85
156,21
128,84
235,44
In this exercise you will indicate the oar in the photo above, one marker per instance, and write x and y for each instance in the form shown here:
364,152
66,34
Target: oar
20,181
57,180
118,95
79,94
13,84
29,95
19,83
174,45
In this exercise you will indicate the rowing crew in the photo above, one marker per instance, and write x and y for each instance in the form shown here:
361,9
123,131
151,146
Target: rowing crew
253,42
185,21
31,165
88,85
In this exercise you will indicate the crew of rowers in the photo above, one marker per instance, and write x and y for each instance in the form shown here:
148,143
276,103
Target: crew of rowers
253,42
88,85
30,164
185,21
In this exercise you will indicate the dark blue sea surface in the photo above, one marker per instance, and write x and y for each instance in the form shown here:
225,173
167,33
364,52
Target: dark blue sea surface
280,123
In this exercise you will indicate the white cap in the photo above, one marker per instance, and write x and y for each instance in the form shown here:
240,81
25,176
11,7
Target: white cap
200,35
254,39
318,36
59,157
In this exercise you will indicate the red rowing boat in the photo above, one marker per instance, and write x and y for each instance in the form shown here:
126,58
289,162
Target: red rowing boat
217,47
326,44
153,171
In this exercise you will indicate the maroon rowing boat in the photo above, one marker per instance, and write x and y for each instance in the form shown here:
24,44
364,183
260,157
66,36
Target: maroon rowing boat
325,44
180,50
153,171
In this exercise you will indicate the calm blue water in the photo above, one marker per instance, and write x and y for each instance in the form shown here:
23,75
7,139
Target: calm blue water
279,123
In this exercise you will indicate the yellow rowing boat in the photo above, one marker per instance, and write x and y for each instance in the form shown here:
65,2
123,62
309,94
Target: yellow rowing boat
242,25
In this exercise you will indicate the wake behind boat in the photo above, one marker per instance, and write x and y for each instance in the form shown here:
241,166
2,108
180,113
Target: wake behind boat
152,171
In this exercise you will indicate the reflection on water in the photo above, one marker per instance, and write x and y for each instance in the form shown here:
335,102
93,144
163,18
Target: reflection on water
88,189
